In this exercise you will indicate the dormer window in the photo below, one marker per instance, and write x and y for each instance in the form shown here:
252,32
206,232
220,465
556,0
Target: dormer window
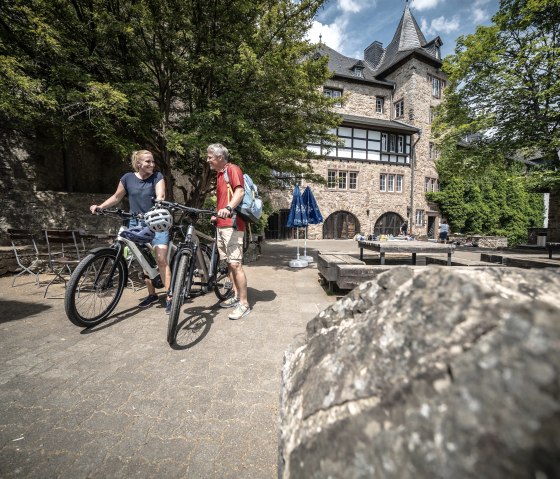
358,72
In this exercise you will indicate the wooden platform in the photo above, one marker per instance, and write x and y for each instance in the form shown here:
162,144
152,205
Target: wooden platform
327,262
520,261
552,247
410,247
349,276
456,261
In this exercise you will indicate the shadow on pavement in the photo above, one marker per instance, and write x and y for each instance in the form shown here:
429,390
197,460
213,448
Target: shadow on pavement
258,296
14,310
194,327
112,320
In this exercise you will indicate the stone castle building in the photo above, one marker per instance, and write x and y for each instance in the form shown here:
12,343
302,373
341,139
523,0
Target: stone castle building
379,175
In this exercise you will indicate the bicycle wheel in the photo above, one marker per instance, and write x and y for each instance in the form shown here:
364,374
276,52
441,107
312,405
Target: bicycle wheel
181,288
223,286
91,295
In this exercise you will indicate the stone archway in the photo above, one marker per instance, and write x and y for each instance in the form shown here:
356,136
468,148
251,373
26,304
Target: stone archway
341,225
388,224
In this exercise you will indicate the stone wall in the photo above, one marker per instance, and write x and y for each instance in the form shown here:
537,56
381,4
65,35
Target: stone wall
491,242
36,210
423,375
554,217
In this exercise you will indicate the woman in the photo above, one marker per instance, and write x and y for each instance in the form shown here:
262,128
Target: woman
141,186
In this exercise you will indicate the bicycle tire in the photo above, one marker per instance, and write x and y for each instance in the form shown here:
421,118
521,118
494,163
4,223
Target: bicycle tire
181,288
223,288
90,296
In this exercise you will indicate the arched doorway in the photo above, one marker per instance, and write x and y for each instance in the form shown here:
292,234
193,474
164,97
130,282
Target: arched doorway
276,226
341,225
388,224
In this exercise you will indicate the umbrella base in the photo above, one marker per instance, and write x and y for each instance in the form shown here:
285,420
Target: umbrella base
298,263
309,259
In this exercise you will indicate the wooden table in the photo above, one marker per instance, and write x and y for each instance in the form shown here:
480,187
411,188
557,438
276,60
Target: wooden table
401,246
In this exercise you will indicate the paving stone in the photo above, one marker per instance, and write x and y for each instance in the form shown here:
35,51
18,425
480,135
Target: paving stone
116,401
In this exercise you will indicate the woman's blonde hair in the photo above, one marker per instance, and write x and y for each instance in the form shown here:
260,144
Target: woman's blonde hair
135,158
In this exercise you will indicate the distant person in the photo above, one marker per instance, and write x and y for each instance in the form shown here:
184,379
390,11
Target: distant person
443,231
142,186
231,227
404,228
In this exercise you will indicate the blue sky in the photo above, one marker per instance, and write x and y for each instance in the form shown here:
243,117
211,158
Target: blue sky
349,26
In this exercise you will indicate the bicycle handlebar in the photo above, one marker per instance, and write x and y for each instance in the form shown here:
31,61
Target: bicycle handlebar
117,211
178,206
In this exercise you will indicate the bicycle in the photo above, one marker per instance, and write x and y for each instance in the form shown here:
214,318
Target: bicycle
189,263
96,285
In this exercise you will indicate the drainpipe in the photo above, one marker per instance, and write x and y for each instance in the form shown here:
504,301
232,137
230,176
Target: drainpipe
412,166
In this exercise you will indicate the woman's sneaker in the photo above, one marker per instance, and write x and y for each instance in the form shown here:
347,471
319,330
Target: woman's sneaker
240,311
230,302
152,298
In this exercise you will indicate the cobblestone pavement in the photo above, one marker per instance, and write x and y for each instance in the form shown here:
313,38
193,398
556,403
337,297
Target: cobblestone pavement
117,401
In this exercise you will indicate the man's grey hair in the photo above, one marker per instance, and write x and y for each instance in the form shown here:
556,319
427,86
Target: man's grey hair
217,149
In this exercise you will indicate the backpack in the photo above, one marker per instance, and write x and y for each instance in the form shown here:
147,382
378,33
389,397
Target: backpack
250,208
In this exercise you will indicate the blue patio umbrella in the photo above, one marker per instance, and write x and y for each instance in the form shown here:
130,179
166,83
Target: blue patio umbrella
314,216
297,218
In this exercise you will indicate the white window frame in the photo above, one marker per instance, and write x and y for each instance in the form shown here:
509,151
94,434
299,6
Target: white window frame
352,180
342,179
399,108
379,104
390,183
331,179
419,218
399,183
382,182
333,93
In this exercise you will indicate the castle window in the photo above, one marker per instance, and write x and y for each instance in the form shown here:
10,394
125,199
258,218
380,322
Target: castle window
431,184
333,93
437,85
400,144
342,180
419,217
391,183
399,109
392,143
383,141
379,103
358,72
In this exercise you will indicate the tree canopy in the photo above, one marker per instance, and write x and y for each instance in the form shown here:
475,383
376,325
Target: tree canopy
169,75
503,94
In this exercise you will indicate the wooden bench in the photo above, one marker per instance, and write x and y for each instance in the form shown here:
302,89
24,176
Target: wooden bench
552,247
349,276
458,261
518,261
327,262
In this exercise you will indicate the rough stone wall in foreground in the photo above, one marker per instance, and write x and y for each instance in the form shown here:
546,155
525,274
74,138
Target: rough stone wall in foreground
448,375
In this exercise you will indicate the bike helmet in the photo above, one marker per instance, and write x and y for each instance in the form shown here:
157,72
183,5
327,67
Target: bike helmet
139,234
159,220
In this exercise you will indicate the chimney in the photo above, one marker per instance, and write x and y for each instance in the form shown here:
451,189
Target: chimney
374,53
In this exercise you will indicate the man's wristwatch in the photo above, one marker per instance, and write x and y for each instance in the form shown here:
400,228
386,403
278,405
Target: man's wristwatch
229,208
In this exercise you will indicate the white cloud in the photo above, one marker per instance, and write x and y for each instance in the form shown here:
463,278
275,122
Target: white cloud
440,25
353,6
481,3
479,15
331,35
424,4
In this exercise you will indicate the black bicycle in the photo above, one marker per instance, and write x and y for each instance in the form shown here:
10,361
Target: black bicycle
196,268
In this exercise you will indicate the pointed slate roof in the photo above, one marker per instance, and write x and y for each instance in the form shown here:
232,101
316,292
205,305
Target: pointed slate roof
408,40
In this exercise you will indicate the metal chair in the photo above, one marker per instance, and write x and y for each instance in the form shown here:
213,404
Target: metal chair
64,259
26,241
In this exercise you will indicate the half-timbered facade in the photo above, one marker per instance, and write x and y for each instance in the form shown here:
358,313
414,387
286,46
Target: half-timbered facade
377,176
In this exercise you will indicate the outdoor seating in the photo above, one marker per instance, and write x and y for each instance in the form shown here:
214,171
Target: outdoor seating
28,256
64,253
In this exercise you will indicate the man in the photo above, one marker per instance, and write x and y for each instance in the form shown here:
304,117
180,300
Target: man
443,231
404,228
231,227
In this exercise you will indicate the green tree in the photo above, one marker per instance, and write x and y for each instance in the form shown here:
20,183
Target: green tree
503,92
169,75
493,202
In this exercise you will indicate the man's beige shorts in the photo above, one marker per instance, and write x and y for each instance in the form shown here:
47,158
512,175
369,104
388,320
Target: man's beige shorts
230,244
